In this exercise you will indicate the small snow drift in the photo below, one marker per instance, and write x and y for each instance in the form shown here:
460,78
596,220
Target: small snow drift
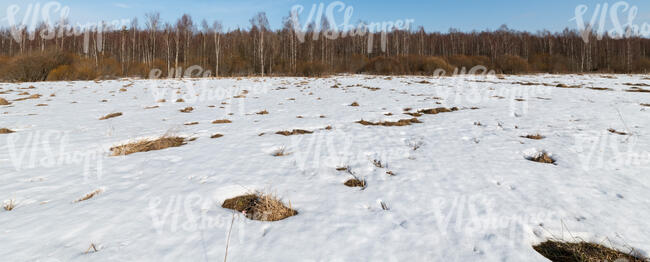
146,145
401,122
539,156
6,131
259,206
558,251
112,115
294,132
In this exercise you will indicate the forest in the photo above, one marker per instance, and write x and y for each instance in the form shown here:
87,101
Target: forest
66,52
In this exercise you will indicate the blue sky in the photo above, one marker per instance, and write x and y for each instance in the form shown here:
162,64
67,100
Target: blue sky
434,15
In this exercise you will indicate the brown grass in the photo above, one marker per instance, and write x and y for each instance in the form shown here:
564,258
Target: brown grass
259,206
34,96
89,195
180,100
191,123
4,102
401,122
354,104
434,111
614,131
263,112
41,105
637,90
146,145
534,137
355,182
221,121
111,116
6,131
558,251
294,132
9,205
647,105
216,136
600,88
280,152
187,109
542,157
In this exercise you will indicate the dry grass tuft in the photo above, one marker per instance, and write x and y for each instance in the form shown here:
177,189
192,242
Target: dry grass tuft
216,136
354,104
111,116
259,206
187,109
294,132
222,121
541,157
34,96
280,152
191,123
9,205
558,251
614,131
434,111
89,195
637,90
4,102
6,131
263,112
146,145
355,182
41,105
646,105
402,122
534,137
180,100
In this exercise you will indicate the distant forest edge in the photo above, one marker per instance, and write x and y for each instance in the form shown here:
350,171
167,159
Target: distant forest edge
134,51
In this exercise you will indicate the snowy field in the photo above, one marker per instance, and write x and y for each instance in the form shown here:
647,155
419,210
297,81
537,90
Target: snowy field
458,186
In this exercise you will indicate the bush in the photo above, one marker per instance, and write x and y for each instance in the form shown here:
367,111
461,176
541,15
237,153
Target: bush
509,64
311,69
33,67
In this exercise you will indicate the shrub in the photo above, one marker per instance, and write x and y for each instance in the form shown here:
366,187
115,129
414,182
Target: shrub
509,64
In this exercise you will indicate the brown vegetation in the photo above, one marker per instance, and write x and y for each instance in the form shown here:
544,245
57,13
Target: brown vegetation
259,206
559,251
216,136
401,122
187,109
6,131
112,115
294,132
4,102
534,137
221,121
614,131
354,182
146,145
542,157
90,195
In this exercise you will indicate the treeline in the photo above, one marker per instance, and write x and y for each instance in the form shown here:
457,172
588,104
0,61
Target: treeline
65,53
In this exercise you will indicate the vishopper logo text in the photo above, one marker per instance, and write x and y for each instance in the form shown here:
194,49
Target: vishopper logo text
48,149
599,18
332,30
38,20
605,150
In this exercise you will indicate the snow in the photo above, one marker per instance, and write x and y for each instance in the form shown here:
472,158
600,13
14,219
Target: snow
467,193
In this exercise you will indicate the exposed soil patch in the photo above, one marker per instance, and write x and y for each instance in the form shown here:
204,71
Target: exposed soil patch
221,121
294,132
260,206
534,137
146,145
401,122
6,131
558,251
111,116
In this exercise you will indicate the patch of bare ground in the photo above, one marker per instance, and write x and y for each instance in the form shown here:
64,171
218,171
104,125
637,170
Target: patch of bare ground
260,206
4,102
6,131
187,109
216,136
614,131
146,145
221,121
560,251
90,195
534,136
600,88
401,122
112,115
34,96
635,89
542,157
294,132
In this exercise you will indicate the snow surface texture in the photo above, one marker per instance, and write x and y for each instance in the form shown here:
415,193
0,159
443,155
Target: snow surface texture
462,187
